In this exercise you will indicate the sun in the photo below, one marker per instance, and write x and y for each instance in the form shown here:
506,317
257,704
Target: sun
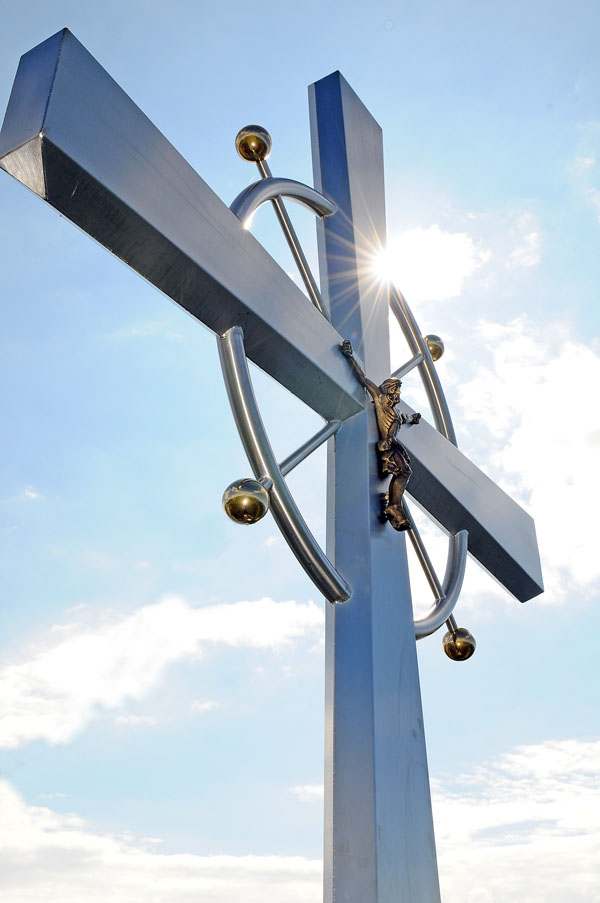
429,264
384,265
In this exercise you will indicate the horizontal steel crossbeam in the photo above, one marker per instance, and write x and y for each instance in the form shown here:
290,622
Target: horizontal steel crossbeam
459,496
74,137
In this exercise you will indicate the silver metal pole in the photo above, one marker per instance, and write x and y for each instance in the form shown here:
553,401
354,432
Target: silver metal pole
401,372
311,445
379,843
294,244
264,464
423,556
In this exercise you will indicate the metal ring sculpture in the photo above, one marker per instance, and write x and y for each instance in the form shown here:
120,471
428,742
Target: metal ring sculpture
448,592
270,490
269,474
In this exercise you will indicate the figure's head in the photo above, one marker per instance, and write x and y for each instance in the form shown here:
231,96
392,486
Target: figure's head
391,387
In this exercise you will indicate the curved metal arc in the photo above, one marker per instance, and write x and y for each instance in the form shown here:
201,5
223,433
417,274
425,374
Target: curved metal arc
255,195
446,595
457,545
427,371
264,464
455,572
271,188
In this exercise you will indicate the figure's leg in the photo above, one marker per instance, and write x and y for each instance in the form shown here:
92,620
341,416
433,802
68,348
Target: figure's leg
396,489
393,511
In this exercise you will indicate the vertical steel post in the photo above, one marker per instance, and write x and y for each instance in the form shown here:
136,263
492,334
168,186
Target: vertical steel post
379,843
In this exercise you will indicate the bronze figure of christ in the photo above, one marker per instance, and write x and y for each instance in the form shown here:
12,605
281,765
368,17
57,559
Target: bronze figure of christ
393,457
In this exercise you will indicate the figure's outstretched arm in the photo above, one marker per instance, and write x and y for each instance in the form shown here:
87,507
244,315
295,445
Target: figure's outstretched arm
370,386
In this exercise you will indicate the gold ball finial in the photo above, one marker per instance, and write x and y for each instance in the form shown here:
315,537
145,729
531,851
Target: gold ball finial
459,644
246,501
253,143
435,345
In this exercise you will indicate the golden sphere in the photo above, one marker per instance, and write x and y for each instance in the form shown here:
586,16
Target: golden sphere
253,143
435,345
459,645
246,501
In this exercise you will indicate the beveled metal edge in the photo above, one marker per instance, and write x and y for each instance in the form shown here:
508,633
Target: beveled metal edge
264,464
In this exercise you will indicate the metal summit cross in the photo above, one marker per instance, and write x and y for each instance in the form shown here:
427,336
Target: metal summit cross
74,138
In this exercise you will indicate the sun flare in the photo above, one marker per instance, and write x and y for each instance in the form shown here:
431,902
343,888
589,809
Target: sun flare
429,264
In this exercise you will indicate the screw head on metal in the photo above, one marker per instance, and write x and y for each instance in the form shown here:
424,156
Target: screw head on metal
253,143
435,345
459,644
246,501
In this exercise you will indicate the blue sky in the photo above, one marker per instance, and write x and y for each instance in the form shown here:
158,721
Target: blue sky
161,668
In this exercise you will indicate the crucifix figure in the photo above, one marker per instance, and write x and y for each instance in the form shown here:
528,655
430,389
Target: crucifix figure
393,457
78,141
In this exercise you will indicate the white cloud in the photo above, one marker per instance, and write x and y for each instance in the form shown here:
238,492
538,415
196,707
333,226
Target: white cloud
46,857
56,692
526,241
137,720
64,628
533,408
308,793
582,163
209,706
526,827
431,264
583,168
30,493
594,195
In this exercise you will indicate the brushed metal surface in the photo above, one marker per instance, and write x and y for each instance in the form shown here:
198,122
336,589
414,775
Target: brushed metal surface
251,198
459,496
379,844
102,163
